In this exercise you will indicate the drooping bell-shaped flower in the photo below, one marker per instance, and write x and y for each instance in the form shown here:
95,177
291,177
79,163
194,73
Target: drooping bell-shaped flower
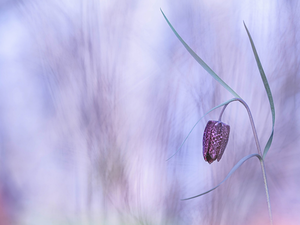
215,139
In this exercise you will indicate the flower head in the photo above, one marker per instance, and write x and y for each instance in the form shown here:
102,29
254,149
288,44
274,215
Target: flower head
215,139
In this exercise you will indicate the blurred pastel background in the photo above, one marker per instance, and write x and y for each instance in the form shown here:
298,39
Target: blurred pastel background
95,95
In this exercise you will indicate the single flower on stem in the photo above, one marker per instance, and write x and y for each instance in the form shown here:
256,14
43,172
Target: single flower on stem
215,139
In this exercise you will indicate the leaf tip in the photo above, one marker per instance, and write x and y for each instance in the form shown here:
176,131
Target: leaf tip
245,25
162,11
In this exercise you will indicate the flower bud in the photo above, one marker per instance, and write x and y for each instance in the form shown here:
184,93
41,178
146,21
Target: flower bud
215,139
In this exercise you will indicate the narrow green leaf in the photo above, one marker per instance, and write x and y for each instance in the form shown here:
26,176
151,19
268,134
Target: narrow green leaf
224,103
230,173
268,90
200,61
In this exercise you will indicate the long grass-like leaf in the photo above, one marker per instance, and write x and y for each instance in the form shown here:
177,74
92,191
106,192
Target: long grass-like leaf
229,174
268,90
224,103
200,61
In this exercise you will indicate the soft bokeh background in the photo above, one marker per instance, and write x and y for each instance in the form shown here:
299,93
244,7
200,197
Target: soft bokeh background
96,95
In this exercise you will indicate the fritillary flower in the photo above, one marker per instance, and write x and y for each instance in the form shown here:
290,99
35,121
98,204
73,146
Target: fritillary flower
215,139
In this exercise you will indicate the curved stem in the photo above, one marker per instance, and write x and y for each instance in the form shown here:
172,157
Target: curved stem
221,114
262,163
251,121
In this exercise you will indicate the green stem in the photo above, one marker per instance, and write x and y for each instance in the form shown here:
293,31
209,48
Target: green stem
224,110
262,163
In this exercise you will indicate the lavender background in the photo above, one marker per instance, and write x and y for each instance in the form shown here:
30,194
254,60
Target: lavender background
96,95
